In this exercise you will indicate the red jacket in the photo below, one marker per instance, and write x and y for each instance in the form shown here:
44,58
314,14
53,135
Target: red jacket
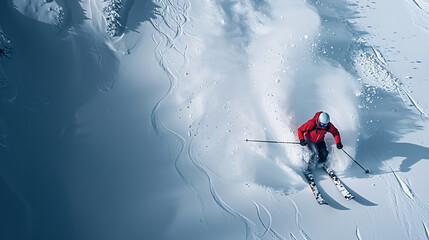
315,133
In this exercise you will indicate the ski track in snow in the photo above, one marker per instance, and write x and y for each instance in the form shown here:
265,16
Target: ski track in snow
406,205
426,230
298,216
404,186
421,16
422,6
379,55
418,5
268,228
169,27
358,236
165,43
251,231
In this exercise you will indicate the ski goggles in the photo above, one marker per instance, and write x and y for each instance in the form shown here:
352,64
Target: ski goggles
323,125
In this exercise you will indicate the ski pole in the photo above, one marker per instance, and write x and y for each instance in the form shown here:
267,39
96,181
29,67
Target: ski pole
266,141
366,170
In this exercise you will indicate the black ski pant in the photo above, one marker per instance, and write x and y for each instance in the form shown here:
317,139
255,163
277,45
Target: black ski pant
320,151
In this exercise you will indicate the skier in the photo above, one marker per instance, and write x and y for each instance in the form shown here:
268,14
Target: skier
314,131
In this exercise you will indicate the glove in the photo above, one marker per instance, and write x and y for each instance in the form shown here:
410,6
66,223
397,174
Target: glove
302,142
339,145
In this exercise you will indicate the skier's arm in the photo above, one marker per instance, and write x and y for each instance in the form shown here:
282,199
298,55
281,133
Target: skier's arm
334,131
305,128
301,133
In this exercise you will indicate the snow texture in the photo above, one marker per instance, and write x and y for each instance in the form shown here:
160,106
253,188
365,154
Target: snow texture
128,119
45,11
113,17
358,236
6,53
6,47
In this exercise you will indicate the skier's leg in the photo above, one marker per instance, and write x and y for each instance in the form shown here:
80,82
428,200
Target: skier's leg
313,154
322,151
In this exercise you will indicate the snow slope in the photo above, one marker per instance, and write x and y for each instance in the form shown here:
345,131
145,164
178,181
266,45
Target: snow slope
138,132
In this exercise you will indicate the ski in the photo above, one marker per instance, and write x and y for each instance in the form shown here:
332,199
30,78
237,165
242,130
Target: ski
347,195
309,175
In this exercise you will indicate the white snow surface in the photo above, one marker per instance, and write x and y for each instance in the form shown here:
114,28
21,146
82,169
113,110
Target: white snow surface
45,11
142,136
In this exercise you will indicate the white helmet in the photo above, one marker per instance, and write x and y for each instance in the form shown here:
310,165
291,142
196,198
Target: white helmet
324,119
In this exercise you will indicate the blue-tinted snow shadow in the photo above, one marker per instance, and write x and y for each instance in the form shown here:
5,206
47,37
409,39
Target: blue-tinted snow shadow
383,123
16,215
56,182
74,15
32,164
359,198
135,12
